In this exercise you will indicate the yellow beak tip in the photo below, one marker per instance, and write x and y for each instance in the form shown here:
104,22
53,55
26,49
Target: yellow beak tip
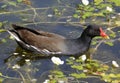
107,37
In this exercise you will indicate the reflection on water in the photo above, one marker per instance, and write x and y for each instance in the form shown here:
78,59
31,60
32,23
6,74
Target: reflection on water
21,56
20,65
36,67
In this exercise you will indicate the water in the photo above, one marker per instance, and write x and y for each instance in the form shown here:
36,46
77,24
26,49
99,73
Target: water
39,68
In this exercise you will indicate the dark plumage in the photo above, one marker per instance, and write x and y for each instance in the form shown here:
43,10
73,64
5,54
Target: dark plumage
50,44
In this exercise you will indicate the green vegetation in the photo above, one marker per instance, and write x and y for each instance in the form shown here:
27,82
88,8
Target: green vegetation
101,12
94,68
56,76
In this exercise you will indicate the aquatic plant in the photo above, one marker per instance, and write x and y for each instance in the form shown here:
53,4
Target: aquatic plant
101,12
94,68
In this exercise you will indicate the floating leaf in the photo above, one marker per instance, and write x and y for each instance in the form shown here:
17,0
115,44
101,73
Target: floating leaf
91,8
115,81
57,12
3,40
117,23
57,72
78,67
2,30
112,75
118,75
88,66
78,11
113,35
87,14
11,37
75,16
1,80
97,2
106,78
117,2
0,74
19,1
103,6
1,24
94,42
79,60
80,75
109,43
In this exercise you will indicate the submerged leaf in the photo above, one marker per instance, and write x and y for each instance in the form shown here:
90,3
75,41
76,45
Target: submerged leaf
13,3
3,40
4,6
118,31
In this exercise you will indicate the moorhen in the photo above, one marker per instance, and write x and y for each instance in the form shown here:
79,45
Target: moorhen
53,44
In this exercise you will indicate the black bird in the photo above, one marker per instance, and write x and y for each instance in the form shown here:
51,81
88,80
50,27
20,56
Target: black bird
53,44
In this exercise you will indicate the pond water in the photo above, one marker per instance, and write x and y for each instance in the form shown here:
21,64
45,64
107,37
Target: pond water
38,68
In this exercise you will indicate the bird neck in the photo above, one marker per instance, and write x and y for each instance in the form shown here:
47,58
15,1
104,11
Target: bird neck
84,38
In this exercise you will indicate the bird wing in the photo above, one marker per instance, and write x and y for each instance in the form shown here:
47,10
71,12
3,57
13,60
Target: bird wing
40,41
37,32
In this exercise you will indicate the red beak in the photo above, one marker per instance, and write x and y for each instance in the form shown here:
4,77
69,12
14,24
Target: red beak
103,34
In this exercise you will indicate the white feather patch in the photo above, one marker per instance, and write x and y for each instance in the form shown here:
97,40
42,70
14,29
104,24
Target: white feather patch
13,35
43,51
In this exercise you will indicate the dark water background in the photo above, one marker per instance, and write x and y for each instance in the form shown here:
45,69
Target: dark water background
40,67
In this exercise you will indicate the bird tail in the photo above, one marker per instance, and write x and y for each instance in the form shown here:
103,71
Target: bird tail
16,26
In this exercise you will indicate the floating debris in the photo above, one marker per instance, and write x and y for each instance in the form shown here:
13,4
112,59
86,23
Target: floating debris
115,64
57,61
16,66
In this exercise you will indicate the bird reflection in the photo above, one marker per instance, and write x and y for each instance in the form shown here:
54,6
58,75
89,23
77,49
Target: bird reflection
20,56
